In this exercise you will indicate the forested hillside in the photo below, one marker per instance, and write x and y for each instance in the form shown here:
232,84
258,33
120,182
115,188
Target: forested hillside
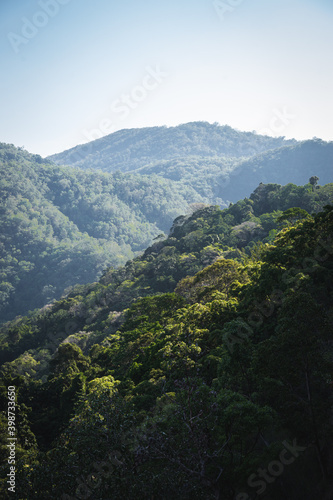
129,149
287,164
220,163
200,370
62,226
221,179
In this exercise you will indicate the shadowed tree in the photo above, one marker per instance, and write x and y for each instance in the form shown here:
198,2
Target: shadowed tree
313,181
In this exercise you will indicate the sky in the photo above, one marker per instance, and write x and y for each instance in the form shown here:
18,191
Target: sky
75,70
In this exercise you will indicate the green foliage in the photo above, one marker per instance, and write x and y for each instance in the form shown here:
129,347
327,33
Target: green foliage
220,163
128,150
292,215
215,280
181,373
62,226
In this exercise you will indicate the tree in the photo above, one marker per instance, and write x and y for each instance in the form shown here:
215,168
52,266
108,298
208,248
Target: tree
293,215
313,181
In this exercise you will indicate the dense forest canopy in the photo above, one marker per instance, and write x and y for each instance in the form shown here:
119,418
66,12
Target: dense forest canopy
62,226
80,222
179,339
197,370
222,164
130,149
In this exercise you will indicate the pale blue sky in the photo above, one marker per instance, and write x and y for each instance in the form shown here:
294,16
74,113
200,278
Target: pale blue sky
85,68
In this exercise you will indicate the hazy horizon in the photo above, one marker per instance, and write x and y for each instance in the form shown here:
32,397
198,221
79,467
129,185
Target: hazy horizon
73,72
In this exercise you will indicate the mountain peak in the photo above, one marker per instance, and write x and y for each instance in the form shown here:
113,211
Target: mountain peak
129,149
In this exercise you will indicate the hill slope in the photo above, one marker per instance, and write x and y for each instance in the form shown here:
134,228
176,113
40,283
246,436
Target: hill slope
296,164
195,241
62,226
130,149
221,164
196,393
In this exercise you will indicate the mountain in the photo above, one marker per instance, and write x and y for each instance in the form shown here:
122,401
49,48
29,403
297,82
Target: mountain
62,226
295,164
221,180
200,369
129,149
220,163
195,241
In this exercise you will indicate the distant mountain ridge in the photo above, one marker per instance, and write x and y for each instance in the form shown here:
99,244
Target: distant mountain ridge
130,149
288,164
220,163
62,225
